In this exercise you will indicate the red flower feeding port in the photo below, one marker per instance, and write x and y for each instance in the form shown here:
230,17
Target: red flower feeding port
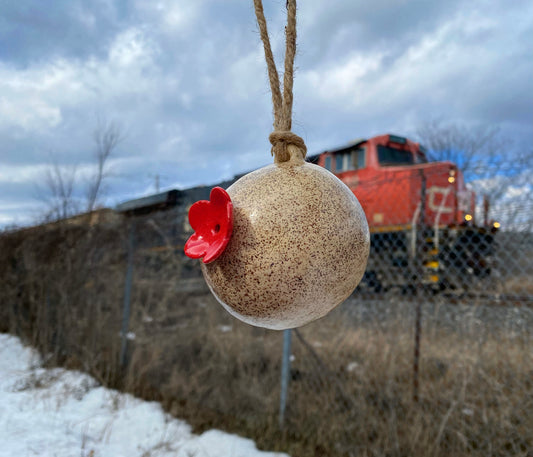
212,222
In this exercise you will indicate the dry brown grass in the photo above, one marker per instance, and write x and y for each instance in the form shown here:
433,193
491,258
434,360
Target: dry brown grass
351,379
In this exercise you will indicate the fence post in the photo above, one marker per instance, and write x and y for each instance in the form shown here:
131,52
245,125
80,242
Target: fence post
419,261
285,375
127,297
416,360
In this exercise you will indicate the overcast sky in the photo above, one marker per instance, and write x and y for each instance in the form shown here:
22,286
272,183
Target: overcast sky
186,81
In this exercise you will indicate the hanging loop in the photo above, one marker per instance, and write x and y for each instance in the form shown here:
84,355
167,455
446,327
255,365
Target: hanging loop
282,137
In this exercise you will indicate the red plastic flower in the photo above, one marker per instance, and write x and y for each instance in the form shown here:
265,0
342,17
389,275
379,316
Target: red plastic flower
212,222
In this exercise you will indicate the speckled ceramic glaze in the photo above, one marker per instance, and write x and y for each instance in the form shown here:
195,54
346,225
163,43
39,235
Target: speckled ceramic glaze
299,246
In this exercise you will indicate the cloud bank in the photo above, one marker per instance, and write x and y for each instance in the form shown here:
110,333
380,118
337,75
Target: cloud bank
187,83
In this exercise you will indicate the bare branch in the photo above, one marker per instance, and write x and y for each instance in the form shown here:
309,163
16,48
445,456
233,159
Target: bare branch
58,192
489,162
106,136
472,149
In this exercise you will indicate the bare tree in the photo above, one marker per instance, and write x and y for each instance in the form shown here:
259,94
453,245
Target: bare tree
59,183
107,136
61,190
492,165
472,149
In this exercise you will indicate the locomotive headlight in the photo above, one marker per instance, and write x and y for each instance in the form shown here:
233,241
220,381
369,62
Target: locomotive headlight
468,217
451,177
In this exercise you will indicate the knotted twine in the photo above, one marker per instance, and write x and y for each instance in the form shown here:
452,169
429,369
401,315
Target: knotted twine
282,137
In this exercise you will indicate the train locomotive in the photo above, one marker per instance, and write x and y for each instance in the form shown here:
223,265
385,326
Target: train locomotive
421,215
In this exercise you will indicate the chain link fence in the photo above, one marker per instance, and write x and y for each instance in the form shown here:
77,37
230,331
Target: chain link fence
431,355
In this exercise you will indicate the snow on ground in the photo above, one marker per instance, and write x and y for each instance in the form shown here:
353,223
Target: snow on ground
61,413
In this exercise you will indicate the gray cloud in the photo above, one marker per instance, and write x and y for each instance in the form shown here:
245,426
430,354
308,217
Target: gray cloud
33,30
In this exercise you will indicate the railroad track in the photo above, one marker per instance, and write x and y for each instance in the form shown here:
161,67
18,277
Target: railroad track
495,299
453,298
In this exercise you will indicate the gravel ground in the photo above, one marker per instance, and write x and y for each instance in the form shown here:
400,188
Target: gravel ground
439,312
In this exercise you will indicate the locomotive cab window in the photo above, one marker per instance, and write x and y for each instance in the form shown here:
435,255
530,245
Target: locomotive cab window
392,156
327,163
339,162
350,160
358,158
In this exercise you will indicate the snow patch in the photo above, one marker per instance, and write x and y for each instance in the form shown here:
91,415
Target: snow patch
56,412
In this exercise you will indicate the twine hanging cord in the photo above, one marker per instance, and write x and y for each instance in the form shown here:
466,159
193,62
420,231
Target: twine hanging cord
282,138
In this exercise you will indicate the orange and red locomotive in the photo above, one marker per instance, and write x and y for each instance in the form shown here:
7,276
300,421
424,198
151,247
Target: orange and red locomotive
421,215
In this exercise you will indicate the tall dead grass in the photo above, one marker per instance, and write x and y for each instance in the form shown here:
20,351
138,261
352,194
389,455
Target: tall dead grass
350,392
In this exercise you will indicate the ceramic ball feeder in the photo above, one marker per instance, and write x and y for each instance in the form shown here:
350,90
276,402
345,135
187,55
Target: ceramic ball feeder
286,243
